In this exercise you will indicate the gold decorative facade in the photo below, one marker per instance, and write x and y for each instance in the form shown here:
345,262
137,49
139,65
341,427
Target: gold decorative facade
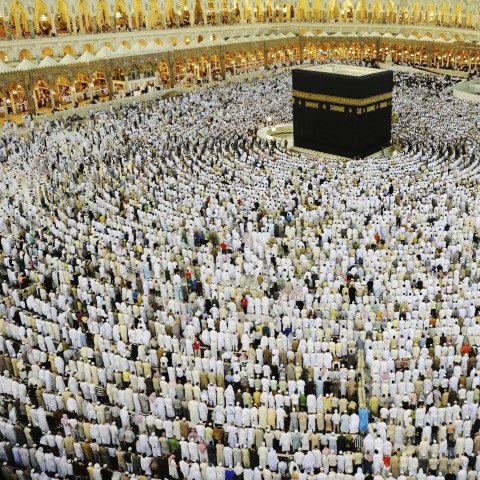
135,45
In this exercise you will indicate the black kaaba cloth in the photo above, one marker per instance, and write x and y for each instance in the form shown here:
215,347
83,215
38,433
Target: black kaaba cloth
342,110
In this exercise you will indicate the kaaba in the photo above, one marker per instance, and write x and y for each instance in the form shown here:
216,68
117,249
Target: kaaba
341,109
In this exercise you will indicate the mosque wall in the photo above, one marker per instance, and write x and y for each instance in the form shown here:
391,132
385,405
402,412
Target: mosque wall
137,44
39,18
65,86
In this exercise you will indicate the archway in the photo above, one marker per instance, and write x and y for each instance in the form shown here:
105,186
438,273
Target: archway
346,13
63,89
230,68
251,60
164,73
354,51
47,51
155,18
102,16
16,98
317,10
333,10
170,14
429,16
416,13
198,13
402,15
192,71
63,18
309,52
184,14
370,51
83,17
68,50
18,20
458,15
216,66
390,12
82,91
302,10
247,11
443,15
376,12
179,71
258,10
25,53
420,56
119,81
100,88
89,48
138,15
469,19
271,56
224,12
121,16
383,51
43,96
362,12
395,51
339,51
41,19
237,17
463,61
324,52
211,14
205,67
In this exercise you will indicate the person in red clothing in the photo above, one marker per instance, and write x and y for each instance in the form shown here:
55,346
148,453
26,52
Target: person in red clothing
196,347
223,246
244,303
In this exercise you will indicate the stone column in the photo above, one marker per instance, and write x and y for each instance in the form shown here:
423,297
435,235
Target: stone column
36,24
171,69
18,27
110,85
222,61
12,103
54,28
5,108
6,22
32,31
35,103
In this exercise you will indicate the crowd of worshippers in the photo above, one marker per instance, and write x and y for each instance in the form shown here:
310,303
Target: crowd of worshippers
183,300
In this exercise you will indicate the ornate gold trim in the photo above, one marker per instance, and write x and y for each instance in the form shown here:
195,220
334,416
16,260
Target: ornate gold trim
355,102
311,104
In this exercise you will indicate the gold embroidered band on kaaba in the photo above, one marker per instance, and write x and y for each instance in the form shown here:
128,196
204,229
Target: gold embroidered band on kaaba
351,102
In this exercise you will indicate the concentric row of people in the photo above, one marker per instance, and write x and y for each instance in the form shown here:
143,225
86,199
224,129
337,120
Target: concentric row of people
182,299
